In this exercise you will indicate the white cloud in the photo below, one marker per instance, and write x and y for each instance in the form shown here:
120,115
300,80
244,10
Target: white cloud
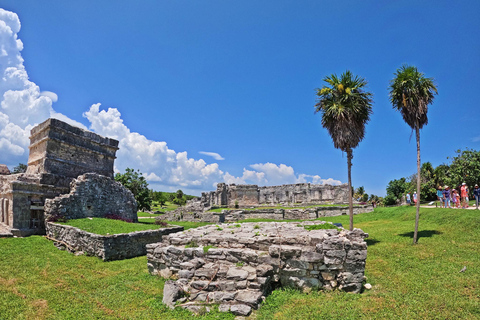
22,105
160,164
52,95
214,155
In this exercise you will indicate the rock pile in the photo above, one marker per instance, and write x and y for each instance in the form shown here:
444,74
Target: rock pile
237,265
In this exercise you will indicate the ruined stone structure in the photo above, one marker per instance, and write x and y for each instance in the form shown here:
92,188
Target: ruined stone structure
236,265
234,215
93,195
253,195
59,153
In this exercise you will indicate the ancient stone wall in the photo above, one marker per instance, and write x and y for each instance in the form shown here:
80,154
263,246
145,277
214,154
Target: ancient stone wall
252,195
93,195
59,148
236,265
109,247
183,214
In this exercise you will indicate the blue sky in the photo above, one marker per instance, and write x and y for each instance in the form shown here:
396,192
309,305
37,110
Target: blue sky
200,92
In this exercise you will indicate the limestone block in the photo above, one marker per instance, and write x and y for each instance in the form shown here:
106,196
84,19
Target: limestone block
249,297
313,257
241,310
235,273
171,293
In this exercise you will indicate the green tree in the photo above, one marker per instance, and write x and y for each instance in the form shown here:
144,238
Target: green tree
179,194
136,183
411,93
396,188
465,167
345,109
21,168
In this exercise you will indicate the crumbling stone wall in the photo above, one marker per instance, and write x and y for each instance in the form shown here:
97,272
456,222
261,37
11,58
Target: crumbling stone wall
94,195
182,214
236,265
253,195
109,247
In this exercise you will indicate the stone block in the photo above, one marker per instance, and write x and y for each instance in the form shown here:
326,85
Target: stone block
237,274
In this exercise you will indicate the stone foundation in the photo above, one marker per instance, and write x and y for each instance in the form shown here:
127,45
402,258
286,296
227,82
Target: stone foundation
107,248
259,213
237,265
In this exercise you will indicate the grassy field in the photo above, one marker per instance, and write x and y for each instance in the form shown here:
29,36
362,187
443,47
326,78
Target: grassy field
38,281
109,226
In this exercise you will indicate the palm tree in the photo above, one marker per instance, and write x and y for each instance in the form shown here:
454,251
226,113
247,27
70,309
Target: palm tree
345,108
411,93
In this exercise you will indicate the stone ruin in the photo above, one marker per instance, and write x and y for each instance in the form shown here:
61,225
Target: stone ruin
63,159
237,265
241,196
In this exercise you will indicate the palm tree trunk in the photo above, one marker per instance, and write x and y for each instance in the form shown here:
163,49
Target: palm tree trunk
350,197
415,234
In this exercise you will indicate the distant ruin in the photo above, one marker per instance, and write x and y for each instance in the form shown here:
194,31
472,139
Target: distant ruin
242,196
59,153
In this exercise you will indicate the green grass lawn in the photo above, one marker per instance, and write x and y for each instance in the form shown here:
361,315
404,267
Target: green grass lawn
38,281
109,226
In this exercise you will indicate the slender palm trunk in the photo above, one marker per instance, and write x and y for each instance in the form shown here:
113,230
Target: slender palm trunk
350,197
415,234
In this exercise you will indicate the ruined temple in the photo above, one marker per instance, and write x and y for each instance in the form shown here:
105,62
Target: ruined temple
231,195
59,154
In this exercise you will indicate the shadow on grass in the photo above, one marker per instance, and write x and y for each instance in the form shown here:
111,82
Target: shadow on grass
421,234
371,242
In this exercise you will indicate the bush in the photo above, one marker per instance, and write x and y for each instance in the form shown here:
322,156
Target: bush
389,200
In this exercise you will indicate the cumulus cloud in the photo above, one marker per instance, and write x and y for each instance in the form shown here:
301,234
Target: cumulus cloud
214,155
161,165
22,105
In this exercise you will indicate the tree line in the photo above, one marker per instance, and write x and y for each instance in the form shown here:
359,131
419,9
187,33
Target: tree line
464,167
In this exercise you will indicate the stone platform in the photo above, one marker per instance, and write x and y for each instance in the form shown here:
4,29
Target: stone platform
237,265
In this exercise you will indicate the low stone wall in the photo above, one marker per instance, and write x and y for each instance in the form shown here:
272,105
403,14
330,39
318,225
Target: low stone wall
259,213
110,247
249,260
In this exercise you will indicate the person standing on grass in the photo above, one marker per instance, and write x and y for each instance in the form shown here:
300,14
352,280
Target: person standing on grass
415,197
408,198
464,195
440,195
476,194
446,197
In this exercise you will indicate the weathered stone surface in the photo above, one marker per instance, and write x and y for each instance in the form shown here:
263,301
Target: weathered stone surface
94,195
247,274
172,291
111,247
249,297
241,310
